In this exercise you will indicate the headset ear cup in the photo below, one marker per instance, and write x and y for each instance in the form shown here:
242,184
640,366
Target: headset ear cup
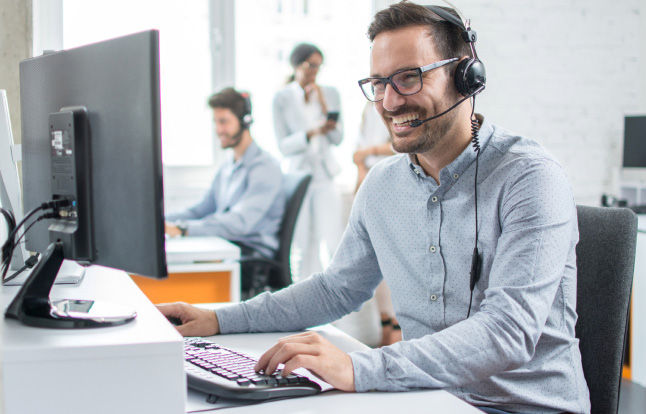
246,119
461,76
470,75
476,76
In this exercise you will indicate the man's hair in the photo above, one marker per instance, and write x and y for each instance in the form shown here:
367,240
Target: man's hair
229,98
445,35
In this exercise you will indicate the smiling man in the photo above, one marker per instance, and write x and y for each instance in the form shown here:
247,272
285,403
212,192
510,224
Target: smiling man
245,202
493,324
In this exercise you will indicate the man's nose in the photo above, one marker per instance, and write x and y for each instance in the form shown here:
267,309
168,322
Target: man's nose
392,100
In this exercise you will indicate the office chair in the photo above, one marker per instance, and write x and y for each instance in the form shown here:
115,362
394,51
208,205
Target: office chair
276,273
605,262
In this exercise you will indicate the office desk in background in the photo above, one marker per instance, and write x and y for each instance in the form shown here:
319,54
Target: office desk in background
201,269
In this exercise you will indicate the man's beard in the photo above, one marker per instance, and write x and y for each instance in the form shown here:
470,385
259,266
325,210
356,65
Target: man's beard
234,140
431,134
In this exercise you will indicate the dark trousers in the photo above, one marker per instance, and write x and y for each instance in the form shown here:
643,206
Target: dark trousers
249,270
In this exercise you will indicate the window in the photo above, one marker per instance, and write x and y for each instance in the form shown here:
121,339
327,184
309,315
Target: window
185,63
265,34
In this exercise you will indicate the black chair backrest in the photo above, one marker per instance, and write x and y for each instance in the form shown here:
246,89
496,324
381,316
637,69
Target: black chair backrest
295,187
605,264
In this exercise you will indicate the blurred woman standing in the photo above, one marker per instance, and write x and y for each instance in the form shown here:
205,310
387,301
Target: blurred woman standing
307,123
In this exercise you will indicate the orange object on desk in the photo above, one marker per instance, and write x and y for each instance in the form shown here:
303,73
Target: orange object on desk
199,287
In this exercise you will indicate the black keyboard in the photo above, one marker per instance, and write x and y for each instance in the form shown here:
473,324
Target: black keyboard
220,371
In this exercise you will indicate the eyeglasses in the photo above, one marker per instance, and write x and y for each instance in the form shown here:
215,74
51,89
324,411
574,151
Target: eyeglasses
405,82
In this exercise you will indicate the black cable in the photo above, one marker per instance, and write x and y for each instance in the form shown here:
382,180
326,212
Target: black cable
11,225
9,246
29,264
10,218
16,243
42,217
475,259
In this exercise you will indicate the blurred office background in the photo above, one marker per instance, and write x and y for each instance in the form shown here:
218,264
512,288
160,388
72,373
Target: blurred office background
564,73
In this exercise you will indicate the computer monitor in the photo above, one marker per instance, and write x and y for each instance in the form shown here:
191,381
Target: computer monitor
91,138
635,142
10,198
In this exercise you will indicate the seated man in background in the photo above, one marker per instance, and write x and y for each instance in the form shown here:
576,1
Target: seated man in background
245,202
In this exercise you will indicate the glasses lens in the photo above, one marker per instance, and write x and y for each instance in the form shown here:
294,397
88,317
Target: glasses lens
313,66
373,89
408,82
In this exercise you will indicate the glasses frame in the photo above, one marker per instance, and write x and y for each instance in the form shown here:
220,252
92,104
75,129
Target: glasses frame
389,80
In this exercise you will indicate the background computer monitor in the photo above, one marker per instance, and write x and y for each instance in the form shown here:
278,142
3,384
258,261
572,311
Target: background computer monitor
112,90
635,142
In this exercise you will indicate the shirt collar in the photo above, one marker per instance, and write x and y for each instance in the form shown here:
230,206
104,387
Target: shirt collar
253,150
459,165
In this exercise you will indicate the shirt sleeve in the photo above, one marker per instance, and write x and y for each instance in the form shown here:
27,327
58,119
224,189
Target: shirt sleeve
264,184
202,209
539,232
349,281
289,142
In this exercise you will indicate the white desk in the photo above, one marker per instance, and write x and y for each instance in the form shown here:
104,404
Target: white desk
133,368
138,367
205,255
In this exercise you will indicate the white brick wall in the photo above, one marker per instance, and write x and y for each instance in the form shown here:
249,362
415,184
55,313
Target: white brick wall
564,73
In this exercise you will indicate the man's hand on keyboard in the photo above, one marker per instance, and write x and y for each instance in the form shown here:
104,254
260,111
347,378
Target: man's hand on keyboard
195,321
310,350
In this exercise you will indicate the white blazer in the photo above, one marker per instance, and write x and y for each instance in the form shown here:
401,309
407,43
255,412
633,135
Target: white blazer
290,128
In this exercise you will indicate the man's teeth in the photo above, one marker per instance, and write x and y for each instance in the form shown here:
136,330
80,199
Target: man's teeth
404,119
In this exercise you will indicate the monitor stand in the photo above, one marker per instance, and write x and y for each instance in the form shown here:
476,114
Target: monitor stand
32,305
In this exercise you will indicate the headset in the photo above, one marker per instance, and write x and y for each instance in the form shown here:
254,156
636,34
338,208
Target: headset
470,75
246,119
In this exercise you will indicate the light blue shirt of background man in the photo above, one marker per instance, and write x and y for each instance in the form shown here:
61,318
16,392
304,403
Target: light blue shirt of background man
245,202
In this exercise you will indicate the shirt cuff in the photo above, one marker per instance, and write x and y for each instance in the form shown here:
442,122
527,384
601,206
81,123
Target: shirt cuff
369,370
232,319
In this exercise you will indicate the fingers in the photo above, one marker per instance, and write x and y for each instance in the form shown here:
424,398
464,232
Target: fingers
195,321
292,355
313,352
170,309
287,348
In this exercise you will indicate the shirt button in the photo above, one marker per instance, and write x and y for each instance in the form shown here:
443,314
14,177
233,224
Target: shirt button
433,297
434,199
455,176
432,249
416,171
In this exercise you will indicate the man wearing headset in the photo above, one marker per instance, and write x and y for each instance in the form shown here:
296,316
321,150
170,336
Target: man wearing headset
507,344
245,202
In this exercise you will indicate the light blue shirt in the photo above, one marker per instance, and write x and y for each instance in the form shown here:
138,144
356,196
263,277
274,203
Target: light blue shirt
517,351
245,203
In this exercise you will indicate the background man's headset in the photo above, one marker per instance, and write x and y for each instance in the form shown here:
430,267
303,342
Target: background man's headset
246,120
470,78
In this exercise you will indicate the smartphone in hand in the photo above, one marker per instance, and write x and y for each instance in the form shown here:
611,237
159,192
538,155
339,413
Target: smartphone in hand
333,116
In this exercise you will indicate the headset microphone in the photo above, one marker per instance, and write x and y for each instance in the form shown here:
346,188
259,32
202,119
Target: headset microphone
417,122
